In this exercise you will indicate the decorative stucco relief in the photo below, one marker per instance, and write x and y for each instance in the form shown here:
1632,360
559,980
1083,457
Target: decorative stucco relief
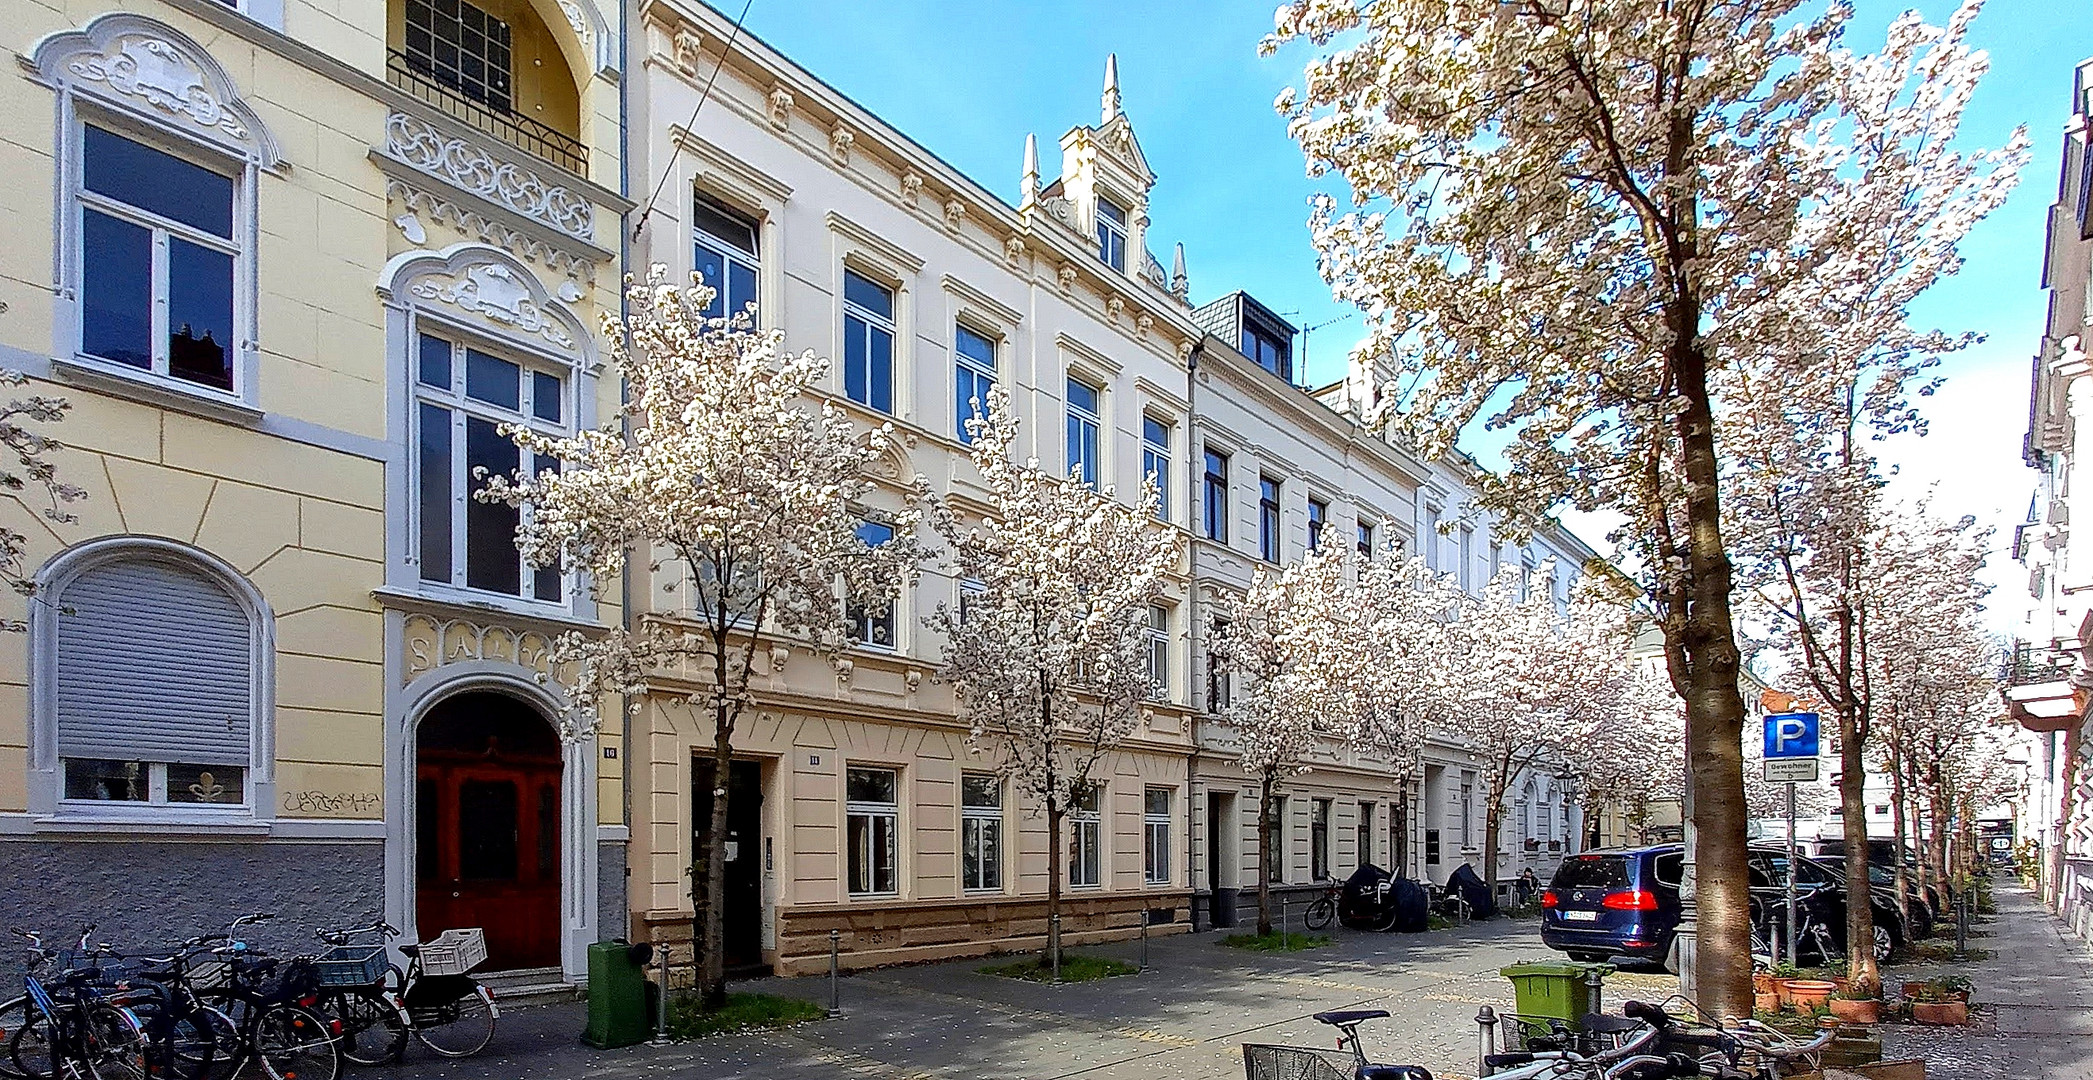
493,292
432,643
155,70
472,167
579,265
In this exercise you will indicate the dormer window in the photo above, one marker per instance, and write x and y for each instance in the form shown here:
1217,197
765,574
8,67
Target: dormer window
1111,233
1268,349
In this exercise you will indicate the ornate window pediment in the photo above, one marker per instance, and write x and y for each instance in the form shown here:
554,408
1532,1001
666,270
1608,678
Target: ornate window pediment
149,69
485,285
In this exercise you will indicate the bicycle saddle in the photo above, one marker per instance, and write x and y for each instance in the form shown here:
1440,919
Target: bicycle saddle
1602,1024
1349,1016
410,950
1506,1061
1392,1072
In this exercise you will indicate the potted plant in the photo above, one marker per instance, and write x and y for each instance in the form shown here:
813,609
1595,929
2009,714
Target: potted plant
1780,975
1809,994
1856,1006
1933,1004
1955,987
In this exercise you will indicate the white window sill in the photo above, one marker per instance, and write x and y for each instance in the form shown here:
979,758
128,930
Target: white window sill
463,601
152,389
855,897
160,823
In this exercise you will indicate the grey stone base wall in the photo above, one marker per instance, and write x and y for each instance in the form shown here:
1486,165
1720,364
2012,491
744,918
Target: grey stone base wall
143,893
613,920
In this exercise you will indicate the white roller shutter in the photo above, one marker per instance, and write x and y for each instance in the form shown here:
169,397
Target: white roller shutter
153,662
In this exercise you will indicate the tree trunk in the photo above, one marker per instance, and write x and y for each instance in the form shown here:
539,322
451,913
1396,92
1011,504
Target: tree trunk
1703,639
1853,813
1493,821
1900,831
1399,825
1264,858
1057,860
712,967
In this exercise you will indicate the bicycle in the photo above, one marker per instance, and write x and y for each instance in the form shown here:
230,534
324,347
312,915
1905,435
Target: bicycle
448,1011
269,1003
1322,911
78,1033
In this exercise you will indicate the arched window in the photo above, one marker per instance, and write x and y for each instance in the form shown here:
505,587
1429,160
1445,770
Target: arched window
152,684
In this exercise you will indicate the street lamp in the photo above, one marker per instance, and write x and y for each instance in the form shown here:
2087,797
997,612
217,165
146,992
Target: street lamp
1567,784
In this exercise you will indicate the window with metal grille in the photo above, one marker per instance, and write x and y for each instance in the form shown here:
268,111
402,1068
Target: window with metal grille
462,47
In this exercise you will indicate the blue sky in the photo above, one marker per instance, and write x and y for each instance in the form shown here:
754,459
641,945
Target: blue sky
969,80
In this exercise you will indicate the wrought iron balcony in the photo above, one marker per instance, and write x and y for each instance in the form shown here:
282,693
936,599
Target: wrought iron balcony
2033,663
528,135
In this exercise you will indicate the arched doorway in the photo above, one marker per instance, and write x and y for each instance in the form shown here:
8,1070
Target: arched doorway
487,825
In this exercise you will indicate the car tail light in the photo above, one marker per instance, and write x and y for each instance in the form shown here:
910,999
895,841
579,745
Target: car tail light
1632,900
1548,898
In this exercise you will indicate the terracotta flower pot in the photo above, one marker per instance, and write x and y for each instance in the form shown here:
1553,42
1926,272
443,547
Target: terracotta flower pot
1780,992
1940,1012
1807,994
1912,989
1840,984
1761,983
1768,1002
1855,1011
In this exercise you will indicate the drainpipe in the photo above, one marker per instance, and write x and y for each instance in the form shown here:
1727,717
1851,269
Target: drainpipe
625,423
1191,608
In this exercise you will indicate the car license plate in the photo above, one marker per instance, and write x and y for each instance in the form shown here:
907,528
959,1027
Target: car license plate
1580,916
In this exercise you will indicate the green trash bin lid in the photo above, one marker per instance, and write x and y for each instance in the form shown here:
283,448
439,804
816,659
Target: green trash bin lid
1559,968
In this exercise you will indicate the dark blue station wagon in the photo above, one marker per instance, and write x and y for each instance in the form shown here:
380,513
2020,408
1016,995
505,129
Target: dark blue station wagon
1617,902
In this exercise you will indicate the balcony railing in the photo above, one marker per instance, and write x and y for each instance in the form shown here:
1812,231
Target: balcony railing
521,132
2033,663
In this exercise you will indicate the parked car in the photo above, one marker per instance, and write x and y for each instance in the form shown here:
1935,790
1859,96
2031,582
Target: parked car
1617,902
1821,891
1882,854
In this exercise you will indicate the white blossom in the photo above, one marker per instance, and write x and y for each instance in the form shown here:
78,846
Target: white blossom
33,472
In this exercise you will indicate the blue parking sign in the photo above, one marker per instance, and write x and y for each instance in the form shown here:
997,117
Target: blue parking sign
1791,735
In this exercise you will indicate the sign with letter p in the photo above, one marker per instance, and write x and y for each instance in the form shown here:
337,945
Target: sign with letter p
1790,735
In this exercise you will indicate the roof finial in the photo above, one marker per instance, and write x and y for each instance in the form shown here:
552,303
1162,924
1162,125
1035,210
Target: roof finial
1031,181
1179,283
1111,87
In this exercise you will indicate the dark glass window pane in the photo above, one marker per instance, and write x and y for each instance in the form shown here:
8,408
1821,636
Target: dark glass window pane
874,533
1082,396
116,290
546,581
199,314
724,225
741,286
492,380
882,371
220,784
487,830
107,781
976,347
1111,211
435,492
855,359
157,182
1155,431
546,394
871,785
861,291
979,789
710,266
435,362
491,559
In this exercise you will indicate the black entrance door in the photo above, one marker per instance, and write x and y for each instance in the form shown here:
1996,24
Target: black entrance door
1220,899
742,909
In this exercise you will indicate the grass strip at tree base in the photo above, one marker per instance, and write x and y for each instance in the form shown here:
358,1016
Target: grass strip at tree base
688,1019
1276,942
1075,967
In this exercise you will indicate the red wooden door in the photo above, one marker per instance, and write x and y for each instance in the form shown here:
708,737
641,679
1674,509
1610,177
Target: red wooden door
489,836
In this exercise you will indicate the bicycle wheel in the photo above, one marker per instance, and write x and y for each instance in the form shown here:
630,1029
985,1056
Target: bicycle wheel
459,1028
294,1043
113,1045
28,1055
373,1032
205,1045
1320,912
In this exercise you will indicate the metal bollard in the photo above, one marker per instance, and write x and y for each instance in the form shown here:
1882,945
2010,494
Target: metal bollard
1485,1039
1597,983
661,1000
1962,925
835,989
1282,918
1144,939
1054,943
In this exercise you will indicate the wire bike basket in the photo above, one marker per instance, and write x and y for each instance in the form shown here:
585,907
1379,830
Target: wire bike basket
352,965
1262,1062
454,952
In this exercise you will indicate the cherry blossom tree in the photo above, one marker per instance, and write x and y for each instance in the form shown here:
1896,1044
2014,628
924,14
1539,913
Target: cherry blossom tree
1606,225
724,477
33,471
1048,645
1522,680
1640,757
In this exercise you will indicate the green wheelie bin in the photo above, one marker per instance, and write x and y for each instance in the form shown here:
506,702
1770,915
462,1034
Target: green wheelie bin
1556,989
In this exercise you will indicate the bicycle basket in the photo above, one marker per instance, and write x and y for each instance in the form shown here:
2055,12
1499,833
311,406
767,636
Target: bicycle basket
454,952
352,965
1261,1062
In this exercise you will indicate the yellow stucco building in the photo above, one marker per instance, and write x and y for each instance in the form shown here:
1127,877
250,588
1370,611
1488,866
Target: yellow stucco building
292,263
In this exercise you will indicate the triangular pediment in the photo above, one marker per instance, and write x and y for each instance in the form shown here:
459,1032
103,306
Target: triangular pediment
1116,138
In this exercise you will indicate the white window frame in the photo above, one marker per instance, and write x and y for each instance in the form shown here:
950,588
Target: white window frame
975,370
1318,520
874,323
891,812
1109,230
727,253
1276,825
1155,461
1080,421
974,821
1271,519
1160,617
1363,830
461,407
1086,839
1155,836
1363,538
861,617
46,802
1320,813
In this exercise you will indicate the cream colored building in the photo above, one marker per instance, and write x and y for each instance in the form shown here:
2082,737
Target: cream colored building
291,262
861,808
